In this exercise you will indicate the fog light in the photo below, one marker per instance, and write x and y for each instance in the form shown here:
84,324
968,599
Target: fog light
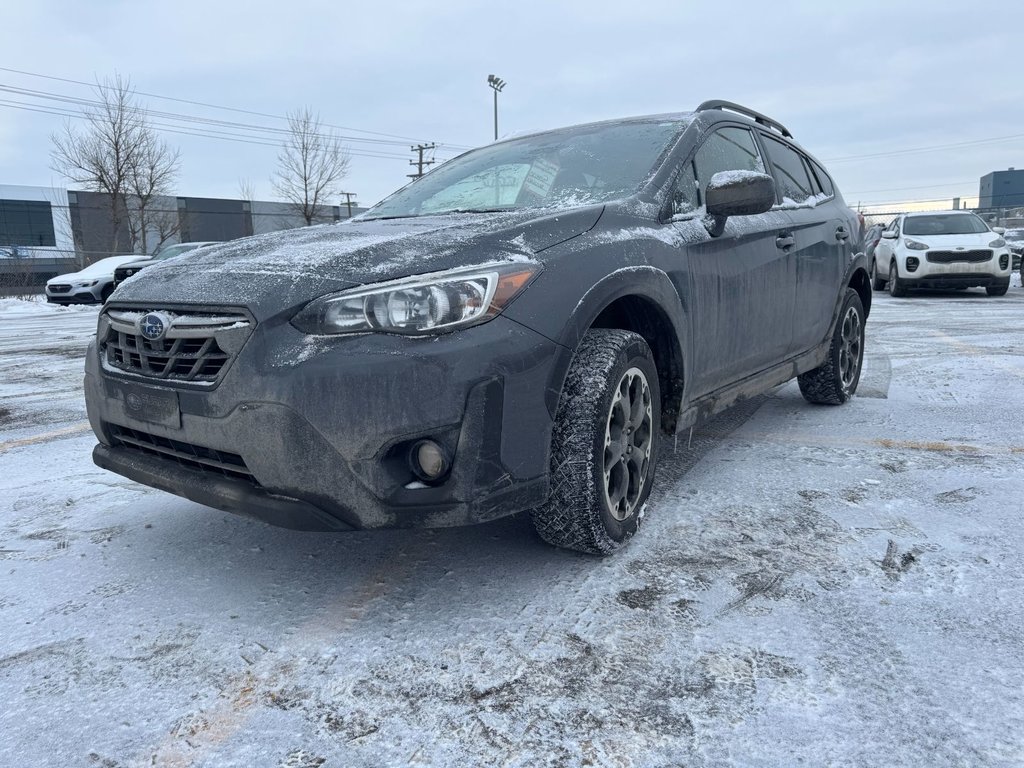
912,264
1003,261
429,461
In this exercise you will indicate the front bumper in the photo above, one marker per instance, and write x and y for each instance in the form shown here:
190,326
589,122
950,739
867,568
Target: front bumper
79,296
956,280
954,274
323,425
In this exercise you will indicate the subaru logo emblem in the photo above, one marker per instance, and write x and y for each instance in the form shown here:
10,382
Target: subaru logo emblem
153,326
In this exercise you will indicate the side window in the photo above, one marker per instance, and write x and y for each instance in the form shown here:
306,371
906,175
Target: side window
823,177
684,199
727,149
789,169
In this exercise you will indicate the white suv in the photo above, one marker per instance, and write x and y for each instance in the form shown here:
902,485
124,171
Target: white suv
951,249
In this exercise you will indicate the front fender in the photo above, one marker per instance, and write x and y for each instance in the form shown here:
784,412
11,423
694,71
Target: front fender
648,283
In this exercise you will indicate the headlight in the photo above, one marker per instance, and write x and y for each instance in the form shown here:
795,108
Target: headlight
86,283
914,245
997,243
426,304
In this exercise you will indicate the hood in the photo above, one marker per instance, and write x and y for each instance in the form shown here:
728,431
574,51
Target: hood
947,242
71,277
278,271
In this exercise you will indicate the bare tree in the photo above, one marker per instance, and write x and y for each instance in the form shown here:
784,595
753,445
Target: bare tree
152,171
310,165
119,154
246,189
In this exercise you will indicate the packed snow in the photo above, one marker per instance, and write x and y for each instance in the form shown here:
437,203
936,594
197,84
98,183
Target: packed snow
810,586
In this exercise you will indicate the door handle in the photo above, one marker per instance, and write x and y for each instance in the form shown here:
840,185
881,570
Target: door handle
842,234
785,241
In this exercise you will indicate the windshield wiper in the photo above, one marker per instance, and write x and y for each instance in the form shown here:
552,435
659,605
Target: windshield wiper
476,210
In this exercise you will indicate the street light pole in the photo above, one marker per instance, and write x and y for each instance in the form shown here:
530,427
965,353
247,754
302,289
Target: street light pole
497,84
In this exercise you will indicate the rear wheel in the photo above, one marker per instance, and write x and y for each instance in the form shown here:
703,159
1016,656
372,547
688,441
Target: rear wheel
835,381
896,287
604,444
998,290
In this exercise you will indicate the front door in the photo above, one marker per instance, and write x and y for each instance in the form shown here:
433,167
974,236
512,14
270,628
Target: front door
740,285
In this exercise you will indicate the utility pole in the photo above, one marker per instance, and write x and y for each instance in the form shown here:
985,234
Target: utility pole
419,162
348,201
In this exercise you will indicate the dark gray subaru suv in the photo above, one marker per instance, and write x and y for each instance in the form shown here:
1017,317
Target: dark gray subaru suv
514,331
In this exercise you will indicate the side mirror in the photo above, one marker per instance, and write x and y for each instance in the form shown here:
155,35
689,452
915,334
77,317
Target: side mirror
737,193
888,235
999,230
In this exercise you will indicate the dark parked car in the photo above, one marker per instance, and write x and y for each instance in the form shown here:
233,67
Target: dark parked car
514,331
125,271
1015,242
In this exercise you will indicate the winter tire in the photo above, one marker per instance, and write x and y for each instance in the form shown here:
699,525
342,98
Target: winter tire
604,444
998,290
835,381
105,293
896,287
877,283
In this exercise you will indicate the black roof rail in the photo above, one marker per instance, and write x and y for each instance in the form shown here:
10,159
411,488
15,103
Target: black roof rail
757,116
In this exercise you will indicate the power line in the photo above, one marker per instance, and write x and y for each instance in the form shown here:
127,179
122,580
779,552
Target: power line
164,128
932,148
212,106
282,133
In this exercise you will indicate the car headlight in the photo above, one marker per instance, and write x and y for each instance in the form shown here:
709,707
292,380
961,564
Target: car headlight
914,245
425,304
997,243
86,283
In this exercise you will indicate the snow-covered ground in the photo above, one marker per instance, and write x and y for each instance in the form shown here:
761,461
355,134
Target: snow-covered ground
812,585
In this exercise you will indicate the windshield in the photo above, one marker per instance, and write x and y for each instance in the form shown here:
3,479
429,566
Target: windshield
944,224
572,167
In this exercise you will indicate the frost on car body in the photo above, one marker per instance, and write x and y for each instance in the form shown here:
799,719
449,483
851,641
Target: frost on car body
426,363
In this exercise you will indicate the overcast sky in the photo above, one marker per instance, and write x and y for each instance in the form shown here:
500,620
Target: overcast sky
870,88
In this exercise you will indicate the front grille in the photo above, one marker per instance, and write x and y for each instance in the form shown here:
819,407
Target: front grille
185,454
60,288
196,347
950,257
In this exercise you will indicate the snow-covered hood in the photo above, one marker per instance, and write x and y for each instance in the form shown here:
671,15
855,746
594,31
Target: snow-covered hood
273,272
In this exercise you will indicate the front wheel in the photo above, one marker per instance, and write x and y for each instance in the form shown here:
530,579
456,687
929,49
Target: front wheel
835,381
877,283
604,444
896,287
998,290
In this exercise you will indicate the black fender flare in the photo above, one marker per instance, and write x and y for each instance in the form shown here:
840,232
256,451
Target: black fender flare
645,282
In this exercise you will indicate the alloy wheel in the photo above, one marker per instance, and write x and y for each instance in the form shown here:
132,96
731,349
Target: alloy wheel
628,439
850,348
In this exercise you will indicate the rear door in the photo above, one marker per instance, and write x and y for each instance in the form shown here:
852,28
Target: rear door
740,284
